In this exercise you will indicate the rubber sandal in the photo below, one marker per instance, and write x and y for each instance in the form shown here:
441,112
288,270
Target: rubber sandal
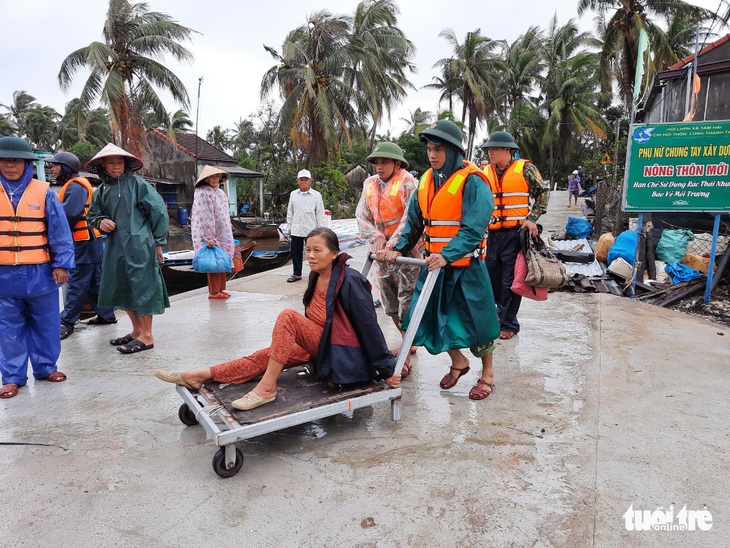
449,381
122,340
98,320
9,390
66,331
507,335
225,293
56,376
134,346
220,295
478,392
291,279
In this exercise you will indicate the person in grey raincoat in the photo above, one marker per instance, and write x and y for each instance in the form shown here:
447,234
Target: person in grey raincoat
134,217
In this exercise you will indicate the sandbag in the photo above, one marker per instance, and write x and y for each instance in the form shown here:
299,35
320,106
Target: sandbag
681,273
625,247
604,244
578,228
672,245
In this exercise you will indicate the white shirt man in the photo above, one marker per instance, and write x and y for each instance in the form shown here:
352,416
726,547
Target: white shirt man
304,213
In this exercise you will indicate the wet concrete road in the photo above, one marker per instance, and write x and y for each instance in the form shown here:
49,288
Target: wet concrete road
600,403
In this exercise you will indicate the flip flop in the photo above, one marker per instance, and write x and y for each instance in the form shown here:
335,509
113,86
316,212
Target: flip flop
220,295
507,335
134,346
56,376
9,390
122,340
291,279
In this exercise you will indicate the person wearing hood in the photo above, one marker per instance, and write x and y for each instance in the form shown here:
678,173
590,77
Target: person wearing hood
134,217
85,278
381,216
338,333
451,211
520,198
36,254
211,223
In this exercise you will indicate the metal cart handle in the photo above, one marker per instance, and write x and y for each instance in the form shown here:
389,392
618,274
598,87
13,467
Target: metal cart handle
419,308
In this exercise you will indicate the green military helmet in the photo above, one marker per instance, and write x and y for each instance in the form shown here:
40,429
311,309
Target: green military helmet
445,130
388,150
17,148
500,139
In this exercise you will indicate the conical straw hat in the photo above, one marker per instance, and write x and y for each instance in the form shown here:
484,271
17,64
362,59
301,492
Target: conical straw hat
207,171
94,165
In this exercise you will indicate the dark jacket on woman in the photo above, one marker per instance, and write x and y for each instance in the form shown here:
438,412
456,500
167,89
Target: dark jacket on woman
352,348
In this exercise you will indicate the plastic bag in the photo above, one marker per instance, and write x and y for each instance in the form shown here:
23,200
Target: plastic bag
578,228
624,247
521,288
672,245
211,259
681,273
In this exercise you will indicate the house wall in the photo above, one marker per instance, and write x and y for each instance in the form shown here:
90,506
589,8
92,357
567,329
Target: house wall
167,162
712,102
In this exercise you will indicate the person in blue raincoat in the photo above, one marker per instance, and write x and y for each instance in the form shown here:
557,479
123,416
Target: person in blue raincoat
36,253
84,279
134,216
451,210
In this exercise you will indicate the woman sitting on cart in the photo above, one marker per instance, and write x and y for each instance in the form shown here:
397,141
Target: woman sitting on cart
339,332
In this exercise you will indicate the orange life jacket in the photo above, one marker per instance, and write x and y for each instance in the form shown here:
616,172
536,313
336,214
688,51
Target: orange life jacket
23,232
81,229
511,195
387,213
442,211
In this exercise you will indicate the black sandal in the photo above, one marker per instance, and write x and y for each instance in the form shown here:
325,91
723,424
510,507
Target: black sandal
122,340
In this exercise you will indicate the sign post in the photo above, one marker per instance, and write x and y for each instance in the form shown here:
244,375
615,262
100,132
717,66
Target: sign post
679,167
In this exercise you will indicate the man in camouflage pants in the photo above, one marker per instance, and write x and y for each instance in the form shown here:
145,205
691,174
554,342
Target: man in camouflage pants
381,215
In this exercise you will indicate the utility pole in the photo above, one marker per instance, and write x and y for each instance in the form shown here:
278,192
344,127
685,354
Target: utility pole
197,116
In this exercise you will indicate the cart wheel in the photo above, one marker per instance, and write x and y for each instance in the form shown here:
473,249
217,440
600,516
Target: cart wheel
219,463
186,415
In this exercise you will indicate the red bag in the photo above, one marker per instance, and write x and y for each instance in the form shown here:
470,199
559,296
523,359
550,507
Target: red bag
237,263
521,288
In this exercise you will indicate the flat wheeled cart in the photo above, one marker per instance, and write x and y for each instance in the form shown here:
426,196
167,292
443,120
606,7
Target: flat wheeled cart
300,399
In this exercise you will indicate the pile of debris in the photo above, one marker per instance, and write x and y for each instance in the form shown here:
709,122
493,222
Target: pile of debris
647,282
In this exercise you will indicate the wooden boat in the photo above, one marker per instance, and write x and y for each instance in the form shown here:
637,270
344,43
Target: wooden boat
254,230
261,261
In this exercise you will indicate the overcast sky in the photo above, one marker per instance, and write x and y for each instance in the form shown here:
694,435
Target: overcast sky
38,34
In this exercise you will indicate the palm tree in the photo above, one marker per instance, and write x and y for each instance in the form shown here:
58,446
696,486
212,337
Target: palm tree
448,84
22,103
219,138
382,54
310,77
571,90
620,43
472,66
127,68
417,120
522,65
79,124
680,40
41,127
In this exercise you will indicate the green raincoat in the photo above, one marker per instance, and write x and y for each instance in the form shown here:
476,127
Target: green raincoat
131,277
461,312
